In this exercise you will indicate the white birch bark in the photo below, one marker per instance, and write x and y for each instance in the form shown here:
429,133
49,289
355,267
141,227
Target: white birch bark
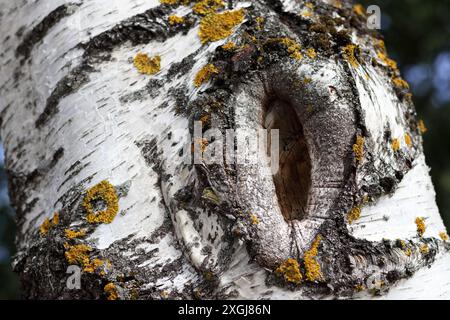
75,111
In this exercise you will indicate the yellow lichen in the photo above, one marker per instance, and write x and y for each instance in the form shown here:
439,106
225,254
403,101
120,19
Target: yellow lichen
205,74
111,291
106,193
420,223
408,140
229,46
359,9
45,227
358,148
310,52
146,65
408,252
205,7
78,254
292,47
353,214
350,54
173,20
395,144
168,1
424,249
387,61
443,235
55,219
360,287
290,270
260,22
308,11
401,243
422,127
205,118
254,219
210,195
399,82
217,26
93,265
72,234
312,267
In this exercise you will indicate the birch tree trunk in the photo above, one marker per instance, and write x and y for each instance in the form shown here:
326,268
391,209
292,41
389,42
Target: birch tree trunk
98,103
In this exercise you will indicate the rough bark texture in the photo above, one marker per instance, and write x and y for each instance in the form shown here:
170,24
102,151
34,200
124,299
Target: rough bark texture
344,206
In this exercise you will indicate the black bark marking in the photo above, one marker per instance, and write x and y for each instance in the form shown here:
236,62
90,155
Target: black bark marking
41,29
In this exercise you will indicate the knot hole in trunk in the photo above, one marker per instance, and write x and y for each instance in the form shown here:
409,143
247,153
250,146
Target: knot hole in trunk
293,179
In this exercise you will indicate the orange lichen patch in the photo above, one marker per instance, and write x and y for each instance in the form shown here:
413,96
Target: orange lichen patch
205,7
380,45
309,5
401,243
259,22
350,54
173,20
424,249
146,65
313,270
78,254
45,227
290,270
408,140
354,214
307,80
55,219
292,47
72,234
217,26
254,219
93,265
395,144
205,74
168,1
360,287
387,61
422,127
399,82
420,223
443,235
229,46
359,10
358,148
337,3
310,52
111,291
105,192
205,118
408,252
306,14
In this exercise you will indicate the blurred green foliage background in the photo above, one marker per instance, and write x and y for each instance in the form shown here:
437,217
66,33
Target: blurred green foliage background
417,36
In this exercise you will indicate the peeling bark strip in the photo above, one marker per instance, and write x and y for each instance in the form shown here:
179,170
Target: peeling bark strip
40,30
350,213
